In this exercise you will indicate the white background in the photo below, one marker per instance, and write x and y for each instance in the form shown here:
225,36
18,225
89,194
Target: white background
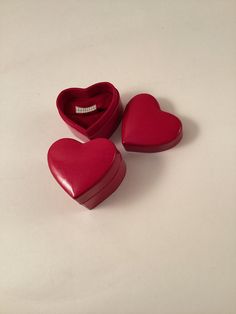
165,241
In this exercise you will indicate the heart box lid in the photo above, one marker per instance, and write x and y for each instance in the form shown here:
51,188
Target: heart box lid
147,128
90,112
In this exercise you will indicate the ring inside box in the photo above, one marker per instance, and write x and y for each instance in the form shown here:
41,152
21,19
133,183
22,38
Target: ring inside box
95,102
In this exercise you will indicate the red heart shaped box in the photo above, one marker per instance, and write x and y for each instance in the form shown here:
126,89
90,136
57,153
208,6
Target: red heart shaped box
88,172
146,128
100,122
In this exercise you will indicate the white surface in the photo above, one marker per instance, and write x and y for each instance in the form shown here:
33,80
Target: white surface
165,242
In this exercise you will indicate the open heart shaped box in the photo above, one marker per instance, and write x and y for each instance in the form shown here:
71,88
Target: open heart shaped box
91,112
91,171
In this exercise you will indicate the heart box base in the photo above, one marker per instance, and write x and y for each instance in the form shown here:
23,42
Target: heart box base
91,112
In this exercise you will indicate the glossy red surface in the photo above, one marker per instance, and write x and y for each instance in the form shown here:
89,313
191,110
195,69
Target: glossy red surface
146,128
101,122
88,172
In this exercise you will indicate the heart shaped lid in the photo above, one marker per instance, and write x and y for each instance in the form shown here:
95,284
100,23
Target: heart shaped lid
146,128
93,112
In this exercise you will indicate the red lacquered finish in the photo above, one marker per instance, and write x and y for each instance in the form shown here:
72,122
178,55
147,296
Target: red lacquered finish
88,172
146,128
102,110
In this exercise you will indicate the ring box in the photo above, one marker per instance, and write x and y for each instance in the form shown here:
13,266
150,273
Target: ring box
88,172
91,112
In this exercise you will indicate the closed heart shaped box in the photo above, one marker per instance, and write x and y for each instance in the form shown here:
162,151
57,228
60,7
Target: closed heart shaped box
91,112
88,172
